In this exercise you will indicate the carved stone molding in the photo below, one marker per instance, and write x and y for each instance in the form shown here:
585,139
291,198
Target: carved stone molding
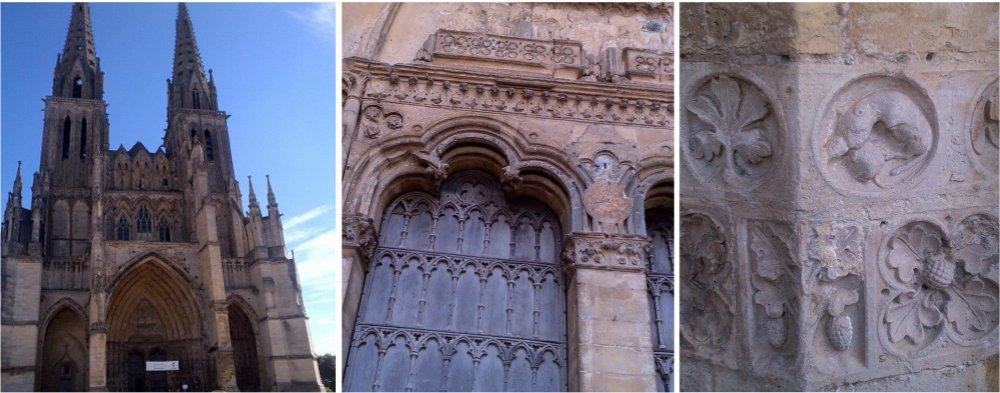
359,232
535,101
833,276
708,289
548,54
733,136
985,132
377,121
938,289
774,280
877,135
603,251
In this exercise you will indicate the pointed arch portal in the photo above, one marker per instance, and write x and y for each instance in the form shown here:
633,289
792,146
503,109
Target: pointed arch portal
154,316
464,293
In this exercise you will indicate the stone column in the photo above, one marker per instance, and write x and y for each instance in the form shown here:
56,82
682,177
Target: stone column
353,86
839,194
359,240
609,324
97,351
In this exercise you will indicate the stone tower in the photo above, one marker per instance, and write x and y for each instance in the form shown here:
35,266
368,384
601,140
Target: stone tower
129,255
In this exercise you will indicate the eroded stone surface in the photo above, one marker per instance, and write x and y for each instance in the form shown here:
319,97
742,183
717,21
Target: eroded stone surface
864,256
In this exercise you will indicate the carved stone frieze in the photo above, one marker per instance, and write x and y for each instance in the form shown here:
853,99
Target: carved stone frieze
537,101
603,251
708,289
877,134
733,137
478,46
939,288
985,131
833,274
359,231
377,121
775,286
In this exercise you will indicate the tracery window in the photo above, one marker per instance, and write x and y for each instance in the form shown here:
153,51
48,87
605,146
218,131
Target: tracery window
209,148
67,124
660,282
464,293
143,223
83,138
123,230
164,230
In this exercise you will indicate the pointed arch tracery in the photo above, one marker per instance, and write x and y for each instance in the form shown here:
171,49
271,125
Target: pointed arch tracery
153,313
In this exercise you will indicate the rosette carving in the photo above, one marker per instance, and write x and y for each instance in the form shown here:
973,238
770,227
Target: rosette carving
733,133
707,312
939,284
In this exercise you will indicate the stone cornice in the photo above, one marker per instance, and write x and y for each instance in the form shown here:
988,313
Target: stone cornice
98,103
606,252
470,91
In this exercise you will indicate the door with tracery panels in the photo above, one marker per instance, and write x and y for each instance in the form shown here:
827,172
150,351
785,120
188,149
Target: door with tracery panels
660,281
464,293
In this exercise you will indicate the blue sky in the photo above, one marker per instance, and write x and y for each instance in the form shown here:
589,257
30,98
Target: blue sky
274,71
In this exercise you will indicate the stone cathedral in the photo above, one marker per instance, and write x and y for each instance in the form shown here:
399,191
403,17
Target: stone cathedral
508,182
128,256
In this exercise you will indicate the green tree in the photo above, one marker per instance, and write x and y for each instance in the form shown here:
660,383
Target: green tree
328,371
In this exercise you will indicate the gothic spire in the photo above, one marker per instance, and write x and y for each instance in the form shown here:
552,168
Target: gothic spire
189,86
254,206
15,194
271,202
78,69
80,36
186,55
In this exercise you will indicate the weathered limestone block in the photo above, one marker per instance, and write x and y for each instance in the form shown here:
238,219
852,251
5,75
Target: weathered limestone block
839,197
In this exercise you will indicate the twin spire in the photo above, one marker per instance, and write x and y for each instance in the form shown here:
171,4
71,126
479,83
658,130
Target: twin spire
272,203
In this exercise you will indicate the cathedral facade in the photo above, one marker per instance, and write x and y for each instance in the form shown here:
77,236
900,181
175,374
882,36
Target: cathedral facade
508,177
129,256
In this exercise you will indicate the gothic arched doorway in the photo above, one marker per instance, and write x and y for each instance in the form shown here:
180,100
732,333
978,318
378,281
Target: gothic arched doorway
64,353
153,316
244,350
464,293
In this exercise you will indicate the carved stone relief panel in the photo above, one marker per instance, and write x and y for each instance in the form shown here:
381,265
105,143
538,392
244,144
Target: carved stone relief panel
376,121
833,275
984,132
938,287
477,46
877,135
733,136
774,283
708,289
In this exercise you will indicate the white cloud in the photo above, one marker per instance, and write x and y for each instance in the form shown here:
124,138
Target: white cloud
320,19
307,216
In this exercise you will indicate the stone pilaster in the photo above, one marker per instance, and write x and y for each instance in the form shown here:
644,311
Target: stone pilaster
609,323
97,355
359,240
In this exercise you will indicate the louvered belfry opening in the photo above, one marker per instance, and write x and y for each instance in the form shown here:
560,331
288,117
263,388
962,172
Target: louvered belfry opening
463,293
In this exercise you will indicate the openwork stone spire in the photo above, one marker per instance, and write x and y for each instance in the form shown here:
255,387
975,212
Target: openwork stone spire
187,58
78,70
189,87
80,36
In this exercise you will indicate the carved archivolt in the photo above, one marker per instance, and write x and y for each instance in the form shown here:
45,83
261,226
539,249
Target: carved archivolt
708,291
939,287
984,132
877,134
732,132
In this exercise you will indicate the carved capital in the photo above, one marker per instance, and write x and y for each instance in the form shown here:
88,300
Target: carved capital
603,251
359,233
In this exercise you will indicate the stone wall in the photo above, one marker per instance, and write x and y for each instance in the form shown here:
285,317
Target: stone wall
566,104
839,193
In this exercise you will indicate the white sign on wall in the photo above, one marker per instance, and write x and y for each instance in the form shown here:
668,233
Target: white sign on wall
171,365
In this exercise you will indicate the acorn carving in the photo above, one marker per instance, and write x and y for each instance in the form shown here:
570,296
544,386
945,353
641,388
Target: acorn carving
840,331
777,331
940,271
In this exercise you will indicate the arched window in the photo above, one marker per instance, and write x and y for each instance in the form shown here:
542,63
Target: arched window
123,230
164,230
194,134
83,139
77,87
65,137
196,99
142,223
209,148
